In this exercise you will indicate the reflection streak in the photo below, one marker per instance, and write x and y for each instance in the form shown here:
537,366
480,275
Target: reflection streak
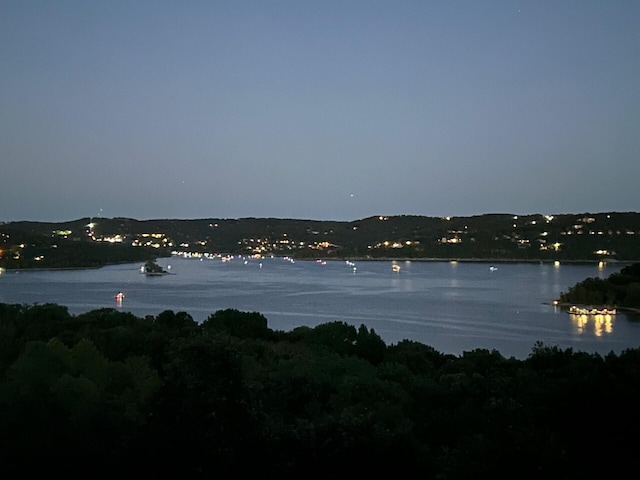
602,324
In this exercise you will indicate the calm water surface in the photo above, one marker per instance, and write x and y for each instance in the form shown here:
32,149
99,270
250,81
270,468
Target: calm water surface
453,307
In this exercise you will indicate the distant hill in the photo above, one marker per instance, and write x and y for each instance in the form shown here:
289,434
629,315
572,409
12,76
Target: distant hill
607,236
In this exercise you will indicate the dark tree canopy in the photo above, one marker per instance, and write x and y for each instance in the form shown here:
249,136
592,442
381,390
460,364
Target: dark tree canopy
165,395
621,289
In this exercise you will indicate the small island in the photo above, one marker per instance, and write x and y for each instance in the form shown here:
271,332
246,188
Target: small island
151,268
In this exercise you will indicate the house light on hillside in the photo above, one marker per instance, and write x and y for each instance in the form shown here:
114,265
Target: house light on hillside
114,239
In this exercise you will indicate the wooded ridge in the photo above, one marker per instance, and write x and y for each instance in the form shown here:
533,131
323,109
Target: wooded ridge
610,236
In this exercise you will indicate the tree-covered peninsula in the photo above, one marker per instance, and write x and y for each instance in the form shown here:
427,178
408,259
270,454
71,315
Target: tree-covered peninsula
619,290
110,392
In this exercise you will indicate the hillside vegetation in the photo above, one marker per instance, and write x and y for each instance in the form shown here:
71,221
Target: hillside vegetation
612,236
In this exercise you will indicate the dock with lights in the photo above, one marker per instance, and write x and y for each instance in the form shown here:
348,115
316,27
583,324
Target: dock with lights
574,310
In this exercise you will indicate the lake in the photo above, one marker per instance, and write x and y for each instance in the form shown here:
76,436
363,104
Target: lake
452,306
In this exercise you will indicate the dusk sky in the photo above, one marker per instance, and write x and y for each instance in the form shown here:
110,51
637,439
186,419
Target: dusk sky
322,110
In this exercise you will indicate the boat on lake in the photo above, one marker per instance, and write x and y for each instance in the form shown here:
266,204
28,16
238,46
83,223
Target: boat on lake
151,268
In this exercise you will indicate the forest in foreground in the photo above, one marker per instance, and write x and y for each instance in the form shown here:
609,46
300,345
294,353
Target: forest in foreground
166,395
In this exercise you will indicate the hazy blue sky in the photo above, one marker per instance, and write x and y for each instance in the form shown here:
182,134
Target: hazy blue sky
317,109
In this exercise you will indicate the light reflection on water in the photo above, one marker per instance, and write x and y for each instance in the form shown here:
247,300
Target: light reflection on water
597,325
451,306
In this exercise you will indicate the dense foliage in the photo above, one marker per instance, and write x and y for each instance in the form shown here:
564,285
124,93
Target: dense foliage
165,395
620,289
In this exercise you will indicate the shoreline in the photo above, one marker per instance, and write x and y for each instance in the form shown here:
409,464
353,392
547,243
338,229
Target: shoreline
357,259
58,269
565,306
473,260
